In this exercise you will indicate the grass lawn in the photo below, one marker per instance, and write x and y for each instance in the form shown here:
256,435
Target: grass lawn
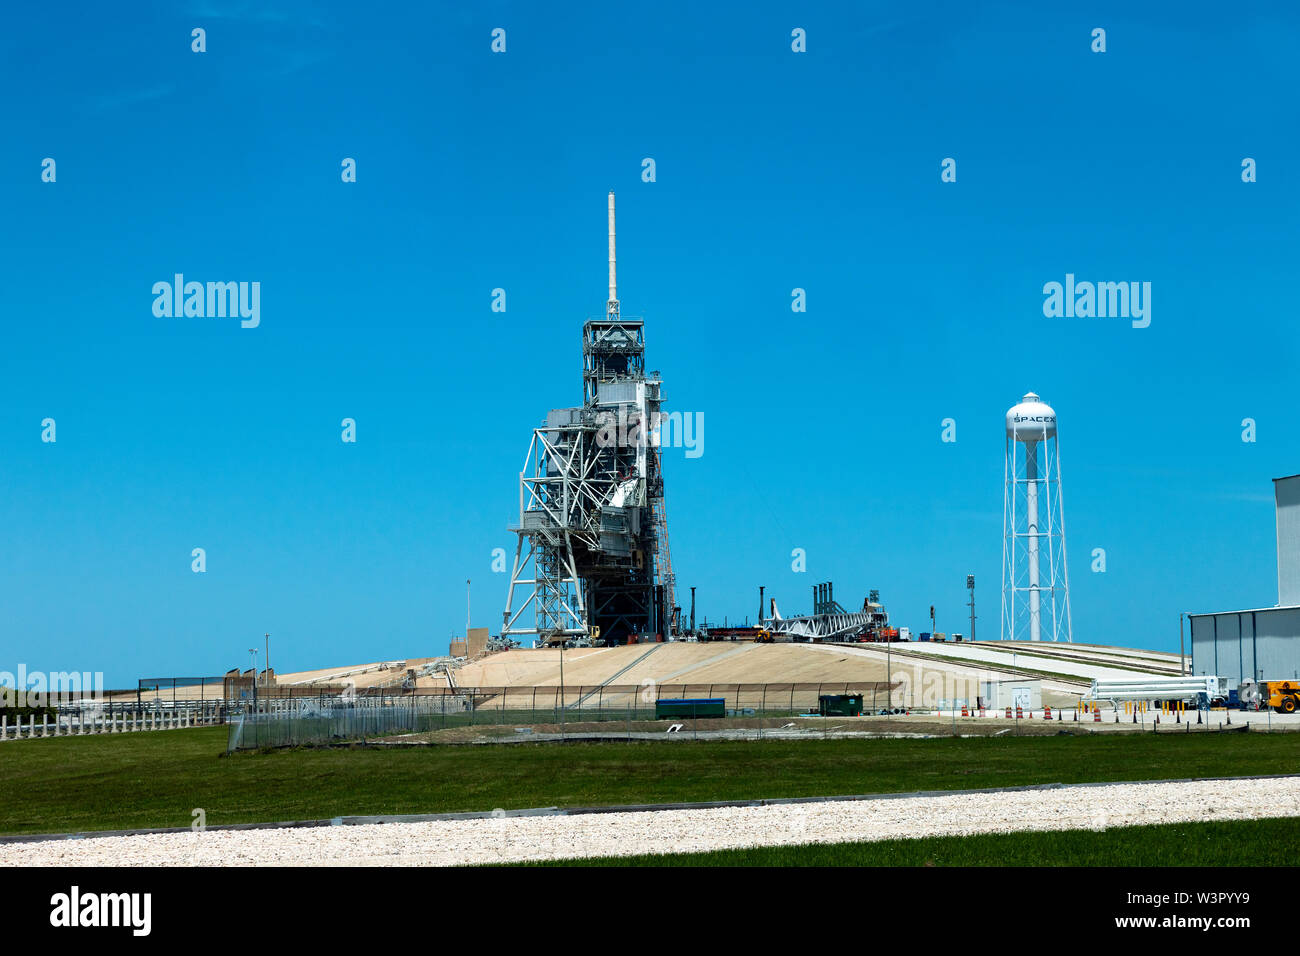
1220,844
155,779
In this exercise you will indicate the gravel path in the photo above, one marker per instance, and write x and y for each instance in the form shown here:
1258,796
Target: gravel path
664,831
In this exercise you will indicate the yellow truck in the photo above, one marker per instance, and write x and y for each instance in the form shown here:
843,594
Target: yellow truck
1282,695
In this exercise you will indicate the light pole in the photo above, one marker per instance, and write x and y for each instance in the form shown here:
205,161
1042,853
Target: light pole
970,584
253,652
889,677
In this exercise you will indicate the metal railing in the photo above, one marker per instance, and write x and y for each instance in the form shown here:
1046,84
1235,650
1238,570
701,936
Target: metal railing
109,717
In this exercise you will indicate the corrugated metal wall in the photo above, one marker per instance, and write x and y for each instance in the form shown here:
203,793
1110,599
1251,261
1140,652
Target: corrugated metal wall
1240,644
1287,494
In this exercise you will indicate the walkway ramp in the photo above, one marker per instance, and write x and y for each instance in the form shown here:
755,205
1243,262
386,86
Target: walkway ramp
613,678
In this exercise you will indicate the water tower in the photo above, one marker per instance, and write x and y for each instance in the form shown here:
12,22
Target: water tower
1035,583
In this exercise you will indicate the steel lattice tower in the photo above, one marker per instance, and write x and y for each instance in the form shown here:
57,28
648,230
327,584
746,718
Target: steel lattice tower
1035,593
592,520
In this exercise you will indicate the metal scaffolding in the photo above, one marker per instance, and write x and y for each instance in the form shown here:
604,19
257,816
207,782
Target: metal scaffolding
592,558
830,620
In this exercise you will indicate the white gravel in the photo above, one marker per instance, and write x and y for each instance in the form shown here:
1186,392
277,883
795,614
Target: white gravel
670,831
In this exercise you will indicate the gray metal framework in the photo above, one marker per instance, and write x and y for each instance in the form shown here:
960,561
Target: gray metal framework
830,621
1035,594
592,558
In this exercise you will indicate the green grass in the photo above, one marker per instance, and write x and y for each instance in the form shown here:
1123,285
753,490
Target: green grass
155,779
1219,844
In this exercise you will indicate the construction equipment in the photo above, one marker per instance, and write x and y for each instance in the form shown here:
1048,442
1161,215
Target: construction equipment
1282,695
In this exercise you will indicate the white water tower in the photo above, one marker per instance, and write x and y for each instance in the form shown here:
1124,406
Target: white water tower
1035,583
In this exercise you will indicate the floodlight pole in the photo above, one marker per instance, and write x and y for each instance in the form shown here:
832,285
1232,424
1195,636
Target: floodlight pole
970,583
253,652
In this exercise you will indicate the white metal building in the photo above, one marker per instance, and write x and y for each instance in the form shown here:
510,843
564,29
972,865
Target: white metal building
1260,643
999,694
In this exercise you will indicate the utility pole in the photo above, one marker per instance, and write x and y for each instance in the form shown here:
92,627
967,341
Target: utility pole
267,658
970,583
467,614
252,651
889,675
1182,670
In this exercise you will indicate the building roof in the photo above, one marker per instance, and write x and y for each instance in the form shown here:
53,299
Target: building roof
1249,610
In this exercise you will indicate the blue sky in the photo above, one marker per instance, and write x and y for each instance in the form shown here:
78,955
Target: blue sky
775,170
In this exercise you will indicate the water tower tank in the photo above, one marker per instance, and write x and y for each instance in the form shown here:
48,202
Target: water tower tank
1031,420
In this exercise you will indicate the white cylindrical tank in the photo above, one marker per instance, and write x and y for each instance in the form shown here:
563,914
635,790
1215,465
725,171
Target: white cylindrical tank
1032,420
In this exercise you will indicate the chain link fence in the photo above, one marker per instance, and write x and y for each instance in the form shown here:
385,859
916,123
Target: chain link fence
291,721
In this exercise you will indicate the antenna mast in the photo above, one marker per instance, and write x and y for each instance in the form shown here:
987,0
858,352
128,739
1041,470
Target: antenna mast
611,307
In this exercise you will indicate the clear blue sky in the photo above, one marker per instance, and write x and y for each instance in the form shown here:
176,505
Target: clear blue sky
775,170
